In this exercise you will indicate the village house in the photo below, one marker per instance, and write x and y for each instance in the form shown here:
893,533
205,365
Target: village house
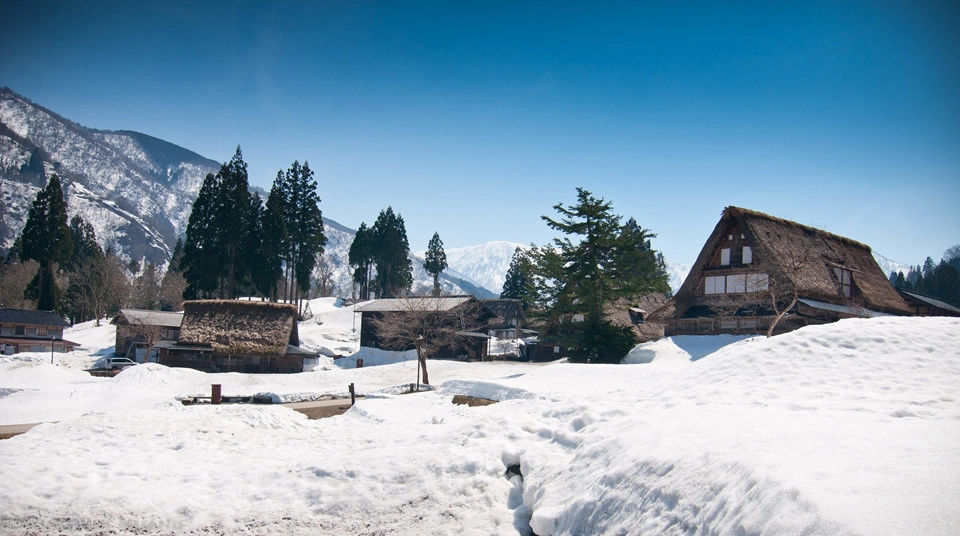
237,336
923,305
139,329
753,266
32,331
448,313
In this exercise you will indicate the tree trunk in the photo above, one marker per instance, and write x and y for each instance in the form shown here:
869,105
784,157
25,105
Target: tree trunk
780,315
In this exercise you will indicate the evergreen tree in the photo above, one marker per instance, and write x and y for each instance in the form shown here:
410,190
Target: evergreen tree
304,226
46,239
201,263
589,261
391,253
82,268
436,261
362,259
146,288
518,280
638,269
606,262
271,242
234,222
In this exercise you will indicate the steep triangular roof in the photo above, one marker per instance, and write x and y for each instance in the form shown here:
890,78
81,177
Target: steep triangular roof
774,241
240,327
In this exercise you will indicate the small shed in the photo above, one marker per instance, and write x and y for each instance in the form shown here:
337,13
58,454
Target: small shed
237,336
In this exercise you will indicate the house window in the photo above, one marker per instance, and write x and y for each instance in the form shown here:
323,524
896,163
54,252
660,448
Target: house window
757,282
747,255
714,284
845,278
41,331
736,284
725,257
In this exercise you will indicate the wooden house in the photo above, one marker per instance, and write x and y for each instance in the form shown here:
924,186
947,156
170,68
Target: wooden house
753,265
32,331
923,305
236,336
445,313
507,318
139,329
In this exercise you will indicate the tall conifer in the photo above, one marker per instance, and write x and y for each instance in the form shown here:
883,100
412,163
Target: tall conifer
46,239
436,261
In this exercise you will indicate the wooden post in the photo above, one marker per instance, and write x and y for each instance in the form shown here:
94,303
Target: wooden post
353,395
215,393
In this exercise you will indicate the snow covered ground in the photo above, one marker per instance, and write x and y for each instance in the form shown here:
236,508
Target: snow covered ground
850,428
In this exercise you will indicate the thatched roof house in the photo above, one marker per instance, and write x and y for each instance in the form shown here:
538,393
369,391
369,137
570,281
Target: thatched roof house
752,259
241,336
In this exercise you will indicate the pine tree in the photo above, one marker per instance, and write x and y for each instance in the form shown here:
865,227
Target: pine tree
606,262
436,261
361,258
82,269
638,269
304,226
589,261
46,239
391,251
517,282
234,222
271,242
201,263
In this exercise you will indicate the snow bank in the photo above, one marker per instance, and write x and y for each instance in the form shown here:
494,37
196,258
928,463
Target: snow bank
848,428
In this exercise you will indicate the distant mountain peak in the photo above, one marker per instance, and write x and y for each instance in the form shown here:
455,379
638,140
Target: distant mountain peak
136,190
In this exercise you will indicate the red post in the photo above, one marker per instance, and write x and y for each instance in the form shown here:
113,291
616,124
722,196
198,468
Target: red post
215,393
359,362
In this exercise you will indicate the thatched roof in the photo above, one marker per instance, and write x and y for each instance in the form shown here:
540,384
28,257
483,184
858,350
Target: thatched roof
148,318
240,327
636,313
775,242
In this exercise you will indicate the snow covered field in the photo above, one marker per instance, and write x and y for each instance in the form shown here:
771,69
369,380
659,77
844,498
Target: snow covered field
850,428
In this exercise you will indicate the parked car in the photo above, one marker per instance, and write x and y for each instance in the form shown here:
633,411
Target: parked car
117,363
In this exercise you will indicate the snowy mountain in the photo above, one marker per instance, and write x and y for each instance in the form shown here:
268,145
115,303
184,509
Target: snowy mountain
678,272
486,264
135,189
888,265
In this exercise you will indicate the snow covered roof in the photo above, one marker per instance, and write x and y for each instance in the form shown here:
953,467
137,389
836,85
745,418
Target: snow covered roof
932,302
148,318
33,318
843,309
424,303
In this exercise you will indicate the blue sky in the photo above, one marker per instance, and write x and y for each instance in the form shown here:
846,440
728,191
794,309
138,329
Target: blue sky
474,118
